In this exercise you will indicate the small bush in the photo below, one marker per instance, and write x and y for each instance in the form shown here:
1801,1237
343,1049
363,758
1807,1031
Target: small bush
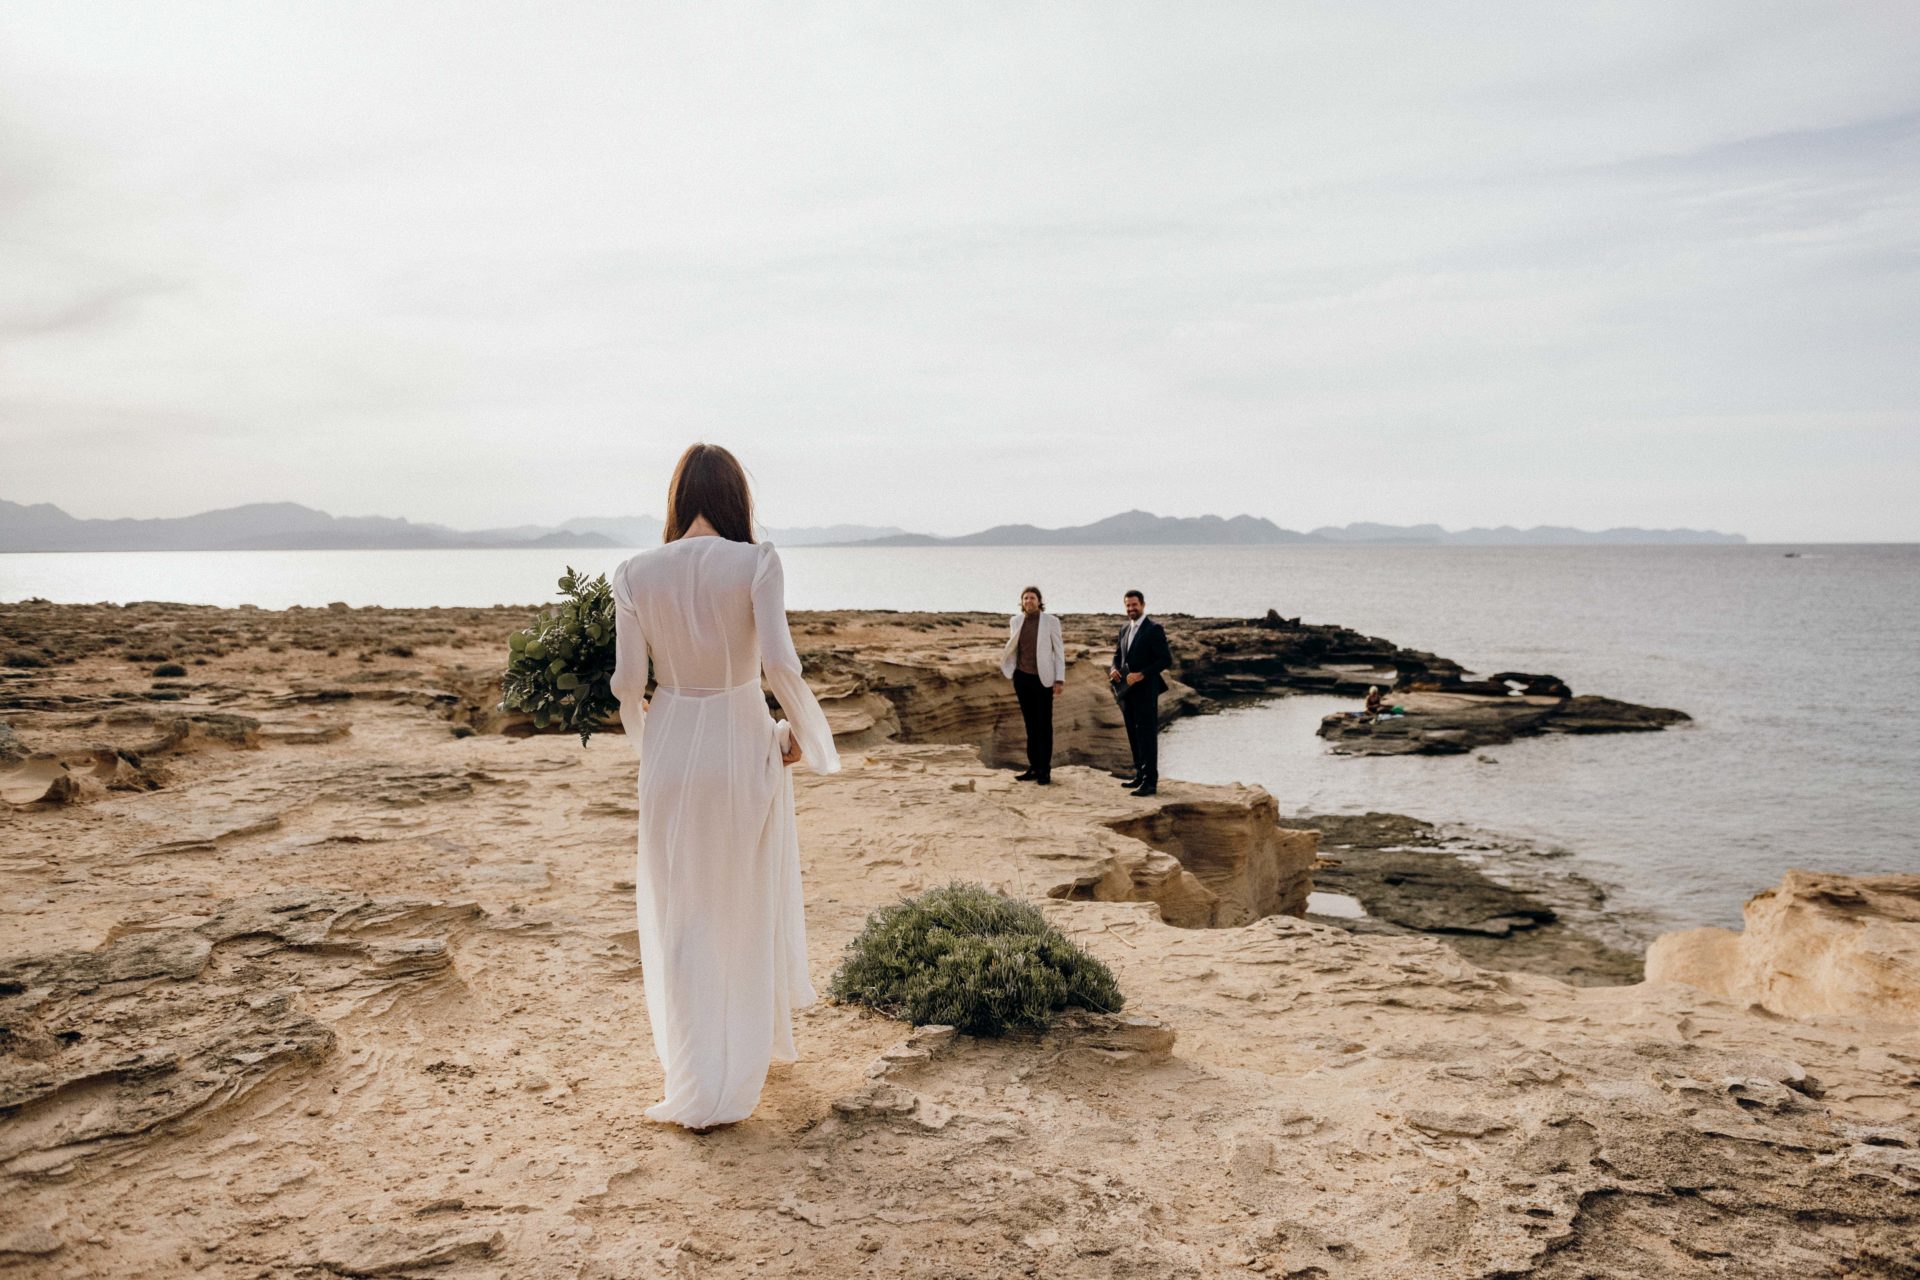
560,667
169,669
967,957
22,658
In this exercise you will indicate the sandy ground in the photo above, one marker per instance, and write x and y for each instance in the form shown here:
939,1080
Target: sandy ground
349,994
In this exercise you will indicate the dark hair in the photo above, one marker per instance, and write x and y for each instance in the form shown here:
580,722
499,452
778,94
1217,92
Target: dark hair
1036,595
708,481
1134,595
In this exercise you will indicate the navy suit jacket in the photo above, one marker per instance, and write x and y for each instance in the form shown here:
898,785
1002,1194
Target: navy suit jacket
1148,655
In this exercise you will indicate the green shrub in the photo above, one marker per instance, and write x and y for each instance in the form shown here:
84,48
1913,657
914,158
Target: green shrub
560,668
169,669
967,957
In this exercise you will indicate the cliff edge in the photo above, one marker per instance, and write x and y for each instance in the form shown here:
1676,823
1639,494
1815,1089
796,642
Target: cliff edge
1816,945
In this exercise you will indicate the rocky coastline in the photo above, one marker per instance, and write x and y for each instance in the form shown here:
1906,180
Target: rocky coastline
1490,898
319,965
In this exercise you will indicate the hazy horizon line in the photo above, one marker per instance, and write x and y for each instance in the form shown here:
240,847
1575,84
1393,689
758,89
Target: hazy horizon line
881,522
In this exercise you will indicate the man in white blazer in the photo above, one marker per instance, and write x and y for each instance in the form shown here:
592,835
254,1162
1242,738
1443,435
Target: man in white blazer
1036,660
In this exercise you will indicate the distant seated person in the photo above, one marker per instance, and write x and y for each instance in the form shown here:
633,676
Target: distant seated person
1377,706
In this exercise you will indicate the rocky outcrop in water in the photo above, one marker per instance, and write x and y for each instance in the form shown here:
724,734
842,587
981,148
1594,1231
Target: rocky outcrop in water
1453,723
1413,877
948,688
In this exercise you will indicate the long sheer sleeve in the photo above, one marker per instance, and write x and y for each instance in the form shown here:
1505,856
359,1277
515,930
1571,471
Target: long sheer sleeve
805,720
629,681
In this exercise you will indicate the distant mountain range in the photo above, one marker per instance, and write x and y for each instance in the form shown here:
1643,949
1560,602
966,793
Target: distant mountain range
644,531
1130,528
1143,528
1541,535
288,526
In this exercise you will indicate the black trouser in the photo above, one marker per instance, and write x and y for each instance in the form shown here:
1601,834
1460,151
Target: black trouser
1140,707
1036,708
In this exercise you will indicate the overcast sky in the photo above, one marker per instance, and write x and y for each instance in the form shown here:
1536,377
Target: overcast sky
948,265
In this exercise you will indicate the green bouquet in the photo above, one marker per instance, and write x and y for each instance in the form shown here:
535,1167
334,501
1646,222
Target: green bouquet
560,667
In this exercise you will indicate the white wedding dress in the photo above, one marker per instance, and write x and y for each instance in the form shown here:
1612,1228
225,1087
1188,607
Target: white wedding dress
723,949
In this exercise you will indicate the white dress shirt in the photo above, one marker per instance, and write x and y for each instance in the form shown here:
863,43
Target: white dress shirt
1133,629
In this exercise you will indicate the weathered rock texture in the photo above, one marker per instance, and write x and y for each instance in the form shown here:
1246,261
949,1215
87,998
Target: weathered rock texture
160,1023
1818,944
1448,723
434,1061
1413,877
1231,842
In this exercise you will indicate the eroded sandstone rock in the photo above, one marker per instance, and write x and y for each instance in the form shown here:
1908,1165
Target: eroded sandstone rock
1205,856
103,1046
1231,841
387,1251
38,780
1817,944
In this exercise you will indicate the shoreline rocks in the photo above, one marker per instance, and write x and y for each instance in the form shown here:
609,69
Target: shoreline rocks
881,676
1445,723
1815,945
1413,878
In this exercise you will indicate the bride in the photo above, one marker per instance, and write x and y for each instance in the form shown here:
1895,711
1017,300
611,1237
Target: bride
723,949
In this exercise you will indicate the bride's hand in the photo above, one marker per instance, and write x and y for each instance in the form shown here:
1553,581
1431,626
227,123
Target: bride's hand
792,753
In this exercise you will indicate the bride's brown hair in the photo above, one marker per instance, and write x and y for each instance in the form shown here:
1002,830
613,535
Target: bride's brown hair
708,481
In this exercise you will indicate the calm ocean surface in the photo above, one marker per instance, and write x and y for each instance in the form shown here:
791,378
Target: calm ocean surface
1803,675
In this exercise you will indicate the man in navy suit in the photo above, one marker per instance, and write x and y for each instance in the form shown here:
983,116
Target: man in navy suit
1140,654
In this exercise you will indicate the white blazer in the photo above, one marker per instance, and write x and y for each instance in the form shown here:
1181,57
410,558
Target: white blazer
1050,655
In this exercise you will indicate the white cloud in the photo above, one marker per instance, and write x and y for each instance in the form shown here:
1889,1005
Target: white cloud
947,266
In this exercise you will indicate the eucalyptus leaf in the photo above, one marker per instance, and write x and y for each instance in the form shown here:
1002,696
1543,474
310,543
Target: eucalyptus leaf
560,666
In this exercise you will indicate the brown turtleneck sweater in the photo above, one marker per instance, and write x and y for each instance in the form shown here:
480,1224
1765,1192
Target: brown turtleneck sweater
1030,644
